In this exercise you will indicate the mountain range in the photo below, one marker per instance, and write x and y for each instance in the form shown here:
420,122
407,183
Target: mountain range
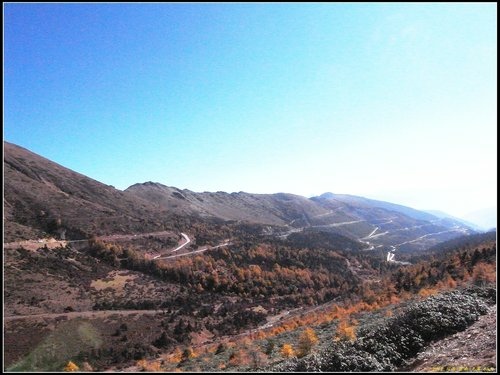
41,196
161,273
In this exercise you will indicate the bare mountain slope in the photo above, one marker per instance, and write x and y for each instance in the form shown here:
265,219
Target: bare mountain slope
395,226
43,196
277,209
375,223
40,195
361,202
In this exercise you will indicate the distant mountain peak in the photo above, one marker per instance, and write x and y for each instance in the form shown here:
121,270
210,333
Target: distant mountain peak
327,195
148,184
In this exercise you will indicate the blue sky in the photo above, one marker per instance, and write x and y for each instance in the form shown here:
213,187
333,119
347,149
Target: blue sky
392,102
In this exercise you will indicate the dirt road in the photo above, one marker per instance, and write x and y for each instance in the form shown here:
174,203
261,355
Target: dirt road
82,314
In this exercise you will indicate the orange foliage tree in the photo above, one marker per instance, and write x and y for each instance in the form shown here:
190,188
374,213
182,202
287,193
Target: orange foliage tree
175,357
483,273
345,331
287,351
307,340
239,358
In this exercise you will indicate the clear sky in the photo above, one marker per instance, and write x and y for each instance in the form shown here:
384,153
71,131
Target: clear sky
388,101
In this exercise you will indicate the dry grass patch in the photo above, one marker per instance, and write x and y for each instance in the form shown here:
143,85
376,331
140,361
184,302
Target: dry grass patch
115,280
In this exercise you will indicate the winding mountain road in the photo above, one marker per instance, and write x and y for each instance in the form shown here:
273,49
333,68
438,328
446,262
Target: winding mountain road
186,238
184,244
371,234
203,249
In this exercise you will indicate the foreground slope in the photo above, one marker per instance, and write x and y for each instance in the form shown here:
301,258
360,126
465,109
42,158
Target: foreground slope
274,209
472,350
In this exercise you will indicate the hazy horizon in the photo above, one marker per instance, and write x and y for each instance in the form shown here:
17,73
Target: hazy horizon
393,102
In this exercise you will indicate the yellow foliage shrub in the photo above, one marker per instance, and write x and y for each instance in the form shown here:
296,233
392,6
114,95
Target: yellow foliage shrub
70,367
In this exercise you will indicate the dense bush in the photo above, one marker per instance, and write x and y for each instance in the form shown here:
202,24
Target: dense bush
341,356
391,343
489,294
401,337
443,315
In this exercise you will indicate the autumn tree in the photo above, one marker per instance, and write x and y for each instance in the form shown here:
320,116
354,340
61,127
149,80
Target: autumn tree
176,356
153,367
307,340
345,331
239,358
287,351
148,366
483,273
187,354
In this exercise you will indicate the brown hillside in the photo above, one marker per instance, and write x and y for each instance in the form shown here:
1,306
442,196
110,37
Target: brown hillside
40,195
